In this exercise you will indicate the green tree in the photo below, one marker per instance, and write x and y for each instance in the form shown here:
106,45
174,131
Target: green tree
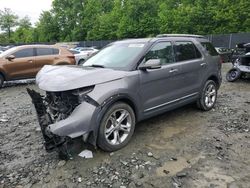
8,20
47,29
24,32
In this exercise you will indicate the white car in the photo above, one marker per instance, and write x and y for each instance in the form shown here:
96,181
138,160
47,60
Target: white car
87,50
80,57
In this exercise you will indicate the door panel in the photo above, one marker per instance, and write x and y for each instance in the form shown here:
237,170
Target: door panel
193,66
160,86
45,56
20,68
23,64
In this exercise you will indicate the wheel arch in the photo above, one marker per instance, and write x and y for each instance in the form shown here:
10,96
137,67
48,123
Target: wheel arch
121,98
215,79
3,75
62,63
104,106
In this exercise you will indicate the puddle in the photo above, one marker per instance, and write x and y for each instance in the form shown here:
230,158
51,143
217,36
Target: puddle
173,167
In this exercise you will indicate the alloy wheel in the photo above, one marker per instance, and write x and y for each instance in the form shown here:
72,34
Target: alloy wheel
210,95
118,127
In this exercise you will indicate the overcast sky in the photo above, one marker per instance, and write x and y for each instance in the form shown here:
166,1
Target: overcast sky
31,8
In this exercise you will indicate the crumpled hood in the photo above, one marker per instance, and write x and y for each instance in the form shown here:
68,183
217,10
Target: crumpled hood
62,78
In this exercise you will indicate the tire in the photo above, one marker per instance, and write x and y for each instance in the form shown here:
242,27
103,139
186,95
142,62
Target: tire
1,81
81,62
233,74
113,133
208,96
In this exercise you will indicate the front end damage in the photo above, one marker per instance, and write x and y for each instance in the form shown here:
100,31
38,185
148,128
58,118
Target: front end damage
61,118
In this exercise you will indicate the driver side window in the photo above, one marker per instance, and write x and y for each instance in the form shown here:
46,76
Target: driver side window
27,52
162,51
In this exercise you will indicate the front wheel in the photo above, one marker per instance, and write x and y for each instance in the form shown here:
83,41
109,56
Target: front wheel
116,127
208,96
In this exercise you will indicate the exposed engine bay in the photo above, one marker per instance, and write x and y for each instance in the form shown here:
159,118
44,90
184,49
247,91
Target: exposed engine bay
60,104
55,107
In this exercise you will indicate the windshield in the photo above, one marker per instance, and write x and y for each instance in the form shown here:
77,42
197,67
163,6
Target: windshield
117,56
7,52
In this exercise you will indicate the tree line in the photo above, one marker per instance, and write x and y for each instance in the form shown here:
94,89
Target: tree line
78,20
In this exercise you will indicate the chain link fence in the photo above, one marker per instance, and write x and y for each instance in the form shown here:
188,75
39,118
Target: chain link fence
222,40
229,40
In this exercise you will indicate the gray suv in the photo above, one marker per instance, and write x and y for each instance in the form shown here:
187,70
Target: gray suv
126,82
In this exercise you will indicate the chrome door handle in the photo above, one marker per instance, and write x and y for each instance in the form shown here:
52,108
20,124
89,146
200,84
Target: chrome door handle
173,70
30,61
203,64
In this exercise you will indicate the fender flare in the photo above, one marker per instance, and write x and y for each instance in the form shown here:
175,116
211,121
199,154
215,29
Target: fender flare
101,110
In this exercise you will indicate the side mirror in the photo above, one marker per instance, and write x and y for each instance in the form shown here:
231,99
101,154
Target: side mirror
10,57
151,64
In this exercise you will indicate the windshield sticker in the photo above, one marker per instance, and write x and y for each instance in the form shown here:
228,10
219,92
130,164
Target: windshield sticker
136,45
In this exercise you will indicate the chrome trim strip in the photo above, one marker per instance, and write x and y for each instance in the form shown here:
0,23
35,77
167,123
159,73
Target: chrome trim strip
164,104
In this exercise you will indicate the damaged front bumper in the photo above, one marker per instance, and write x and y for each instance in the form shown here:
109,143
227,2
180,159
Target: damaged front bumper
57,132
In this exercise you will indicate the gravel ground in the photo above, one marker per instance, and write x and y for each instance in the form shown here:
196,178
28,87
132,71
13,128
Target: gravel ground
182,148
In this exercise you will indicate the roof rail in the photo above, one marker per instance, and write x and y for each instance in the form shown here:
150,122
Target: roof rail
180,35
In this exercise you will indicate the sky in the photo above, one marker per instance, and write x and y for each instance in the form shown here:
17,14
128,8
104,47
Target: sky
31,8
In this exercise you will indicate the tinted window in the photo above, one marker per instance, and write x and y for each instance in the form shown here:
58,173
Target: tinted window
210,49
55,51
28,52
44,51
186,51
162,51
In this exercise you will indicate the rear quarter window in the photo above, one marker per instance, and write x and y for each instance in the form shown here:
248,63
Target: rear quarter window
209,48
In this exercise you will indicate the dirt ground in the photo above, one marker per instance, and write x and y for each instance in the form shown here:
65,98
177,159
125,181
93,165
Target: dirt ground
181,148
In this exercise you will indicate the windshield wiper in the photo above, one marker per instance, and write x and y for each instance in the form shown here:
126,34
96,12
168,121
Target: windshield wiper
95,65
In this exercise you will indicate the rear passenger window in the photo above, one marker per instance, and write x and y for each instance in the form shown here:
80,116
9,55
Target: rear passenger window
28,52
186,51
44,51
162,51
55,51
210,49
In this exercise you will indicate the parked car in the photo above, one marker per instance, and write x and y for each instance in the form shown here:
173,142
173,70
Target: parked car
87,50
240,50
241,65
225,53
126,82
79,56
23,62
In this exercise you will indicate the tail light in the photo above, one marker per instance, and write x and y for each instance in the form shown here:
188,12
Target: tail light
221,60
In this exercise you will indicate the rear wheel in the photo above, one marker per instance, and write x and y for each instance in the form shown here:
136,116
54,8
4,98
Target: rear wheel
116,127
208,96
233,75
1,80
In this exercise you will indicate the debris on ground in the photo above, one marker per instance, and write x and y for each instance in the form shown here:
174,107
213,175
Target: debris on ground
87,154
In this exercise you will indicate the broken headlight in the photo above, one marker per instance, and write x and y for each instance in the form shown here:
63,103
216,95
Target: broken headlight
82,92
